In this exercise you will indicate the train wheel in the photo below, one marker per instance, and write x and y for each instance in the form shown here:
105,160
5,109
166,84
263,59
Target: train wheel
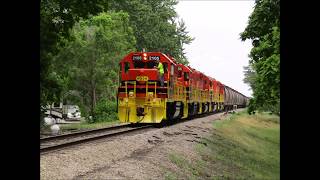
162,124
132,124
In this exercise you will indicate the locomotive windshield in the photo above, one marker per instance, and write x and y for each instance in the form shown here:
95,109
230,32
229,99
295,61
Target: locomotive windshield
144,65
151,64
138,64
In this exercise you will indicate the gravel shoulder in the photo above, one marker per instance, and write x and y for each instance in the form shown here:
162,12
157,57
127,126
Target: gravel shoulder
139,156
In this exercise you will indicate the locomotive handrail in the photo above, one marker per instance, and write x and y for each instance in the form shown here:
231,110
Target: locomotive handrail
134,87
155,88
178,90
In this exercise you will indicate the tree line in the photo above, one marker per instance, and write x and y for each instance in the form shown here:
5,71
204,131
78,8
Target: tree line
82,42
263,72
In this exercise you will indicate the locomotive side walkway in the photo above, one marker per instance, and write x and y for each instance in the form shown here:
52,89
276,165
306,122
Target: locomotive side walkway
140,156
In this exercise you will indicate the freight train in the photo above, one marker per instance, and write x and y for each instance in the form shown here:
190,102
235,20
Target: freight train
185,92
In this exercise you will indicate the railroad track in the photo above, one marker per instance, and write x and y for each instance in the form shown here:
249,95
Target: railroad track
52,143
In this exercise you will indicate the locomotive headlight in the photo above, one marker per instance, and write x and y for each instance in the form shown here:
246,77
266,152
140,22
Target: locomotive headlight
131,94
145,54
145,58
150,94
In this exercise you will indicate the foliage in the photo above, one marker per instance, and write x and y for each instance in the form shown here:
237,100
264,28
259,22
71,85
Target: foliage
106,111
90,60
263,73
251,106
249,75
80,49
56,18
155,26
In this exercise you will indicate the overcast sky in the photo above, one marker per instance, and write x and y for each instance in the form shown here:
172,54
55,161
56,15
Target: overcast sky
217,49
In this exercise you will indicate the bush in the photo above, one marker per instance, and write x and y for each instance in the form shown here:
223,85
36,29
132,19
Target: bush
251,107
105,111
273,107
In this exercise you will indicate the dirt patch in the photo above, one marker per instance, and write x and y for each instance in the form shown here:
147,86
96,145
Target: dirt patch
139,156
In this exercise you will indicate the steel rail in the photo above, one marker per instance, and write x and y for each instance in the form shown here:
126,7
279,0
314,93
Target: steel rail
107,134
86,132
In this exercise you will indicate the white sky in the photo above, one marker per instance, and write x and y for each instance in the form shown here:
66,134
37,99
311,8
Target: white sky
217,49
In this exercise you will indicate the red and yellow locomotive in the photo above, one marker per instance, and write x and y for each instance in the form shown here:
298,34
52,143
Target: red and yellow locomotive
186,92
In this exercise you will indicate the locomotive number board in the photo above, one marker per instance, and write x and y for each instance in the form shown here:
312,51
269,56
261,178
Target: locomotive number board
155,58
142,78
139,58
136,58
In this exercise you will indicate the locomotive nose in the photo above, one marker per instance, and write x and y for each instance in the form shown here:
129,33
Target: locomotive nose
143,75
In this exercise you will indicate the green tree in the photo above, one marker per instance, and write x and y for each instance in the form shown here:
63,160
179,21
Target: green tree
65,53
156,26
263,73
56,19
249,75
90,61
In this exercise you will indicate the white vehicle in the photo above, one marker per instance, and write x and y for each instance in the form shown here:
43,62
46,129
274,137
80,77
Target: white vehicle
72,112
63,112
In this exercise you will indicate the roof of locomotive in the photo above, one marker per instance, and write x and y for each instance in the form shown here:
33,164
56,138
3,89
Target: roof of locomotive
206,77
200,73
129,57
211,79
185,68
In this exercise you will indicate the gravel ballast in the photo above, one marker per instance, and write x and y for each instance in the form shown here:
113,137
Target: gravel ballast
139,156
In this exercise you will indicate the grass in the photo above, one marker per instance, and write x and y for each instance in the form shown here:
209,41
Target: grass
241,146
85,125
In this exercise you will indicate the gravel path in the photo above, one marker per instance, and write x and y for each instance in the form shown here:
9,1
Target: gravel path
139,156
